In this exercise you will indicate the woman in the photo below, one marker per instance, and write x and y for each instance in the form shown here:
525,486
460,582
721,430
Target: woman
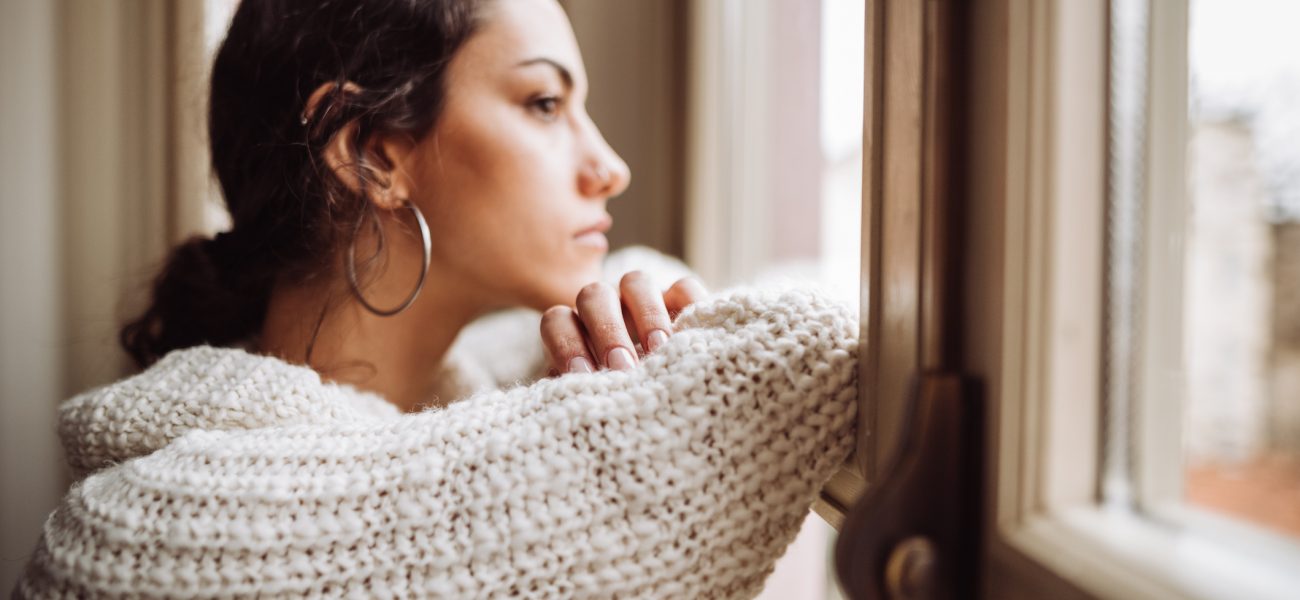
395,169
512,186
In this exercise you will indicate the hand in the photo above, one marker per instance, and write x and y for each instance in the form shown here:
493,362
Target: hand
601,332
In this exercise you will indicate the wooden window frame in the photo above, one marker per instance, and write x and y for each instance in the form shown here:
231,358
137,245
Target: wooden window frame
907,279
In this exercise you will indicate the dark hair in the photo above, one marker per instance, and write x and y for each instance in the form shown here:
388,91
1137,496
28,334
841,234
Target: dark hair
289,209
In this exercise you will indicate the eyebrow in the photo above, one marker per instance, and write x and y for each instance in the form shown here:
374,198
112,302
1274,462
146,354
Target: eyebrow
565,74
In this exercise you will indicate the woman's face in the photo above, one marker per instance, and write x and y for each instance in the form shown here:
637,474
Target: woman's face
515,176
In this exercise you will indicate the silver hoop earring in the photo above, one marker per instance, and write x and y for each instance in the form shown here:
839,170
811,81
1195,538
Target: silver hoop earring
425,239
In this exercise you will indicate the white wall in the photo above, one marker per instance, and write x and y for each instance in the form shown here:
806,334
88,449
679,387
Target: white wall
31,465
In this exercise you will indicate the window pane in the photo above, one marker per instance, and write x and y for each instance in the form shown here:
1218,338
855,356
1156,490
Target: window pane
1242,267
812,146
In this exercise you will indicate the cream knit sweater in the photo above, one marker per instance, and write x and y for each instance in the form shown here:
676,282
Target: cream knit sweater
221,473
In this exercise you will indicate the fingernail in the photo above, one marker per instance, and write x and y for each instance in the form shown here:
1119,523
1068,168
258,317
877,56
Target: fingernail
621,359
580,364
655,340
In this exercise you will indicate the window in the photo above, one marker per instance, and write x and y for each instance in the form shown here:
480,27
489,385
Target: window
775,173
1135,219
1241,448
776,116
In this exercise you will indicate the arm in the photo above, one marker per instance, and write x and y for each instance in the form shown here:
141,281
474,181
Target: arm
686,477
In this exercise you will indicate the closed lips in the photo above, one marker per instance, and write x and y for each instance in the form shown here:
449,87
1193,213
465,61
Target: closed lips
600,226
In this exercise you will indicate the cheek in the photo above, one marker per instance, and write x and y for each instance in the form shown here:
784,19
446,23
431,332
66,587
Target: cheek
505,205
497,165
480,182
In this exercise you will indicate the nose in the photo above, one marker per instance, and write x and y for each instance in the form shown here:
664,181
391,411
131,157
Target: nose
604,174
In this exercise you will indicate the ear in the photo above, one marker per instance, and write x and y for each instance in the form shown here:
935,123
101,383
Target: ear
379,168
386,162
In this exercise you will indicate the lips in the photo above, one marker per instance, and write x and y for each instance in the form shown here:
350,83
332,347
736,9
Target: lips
593,236
601,226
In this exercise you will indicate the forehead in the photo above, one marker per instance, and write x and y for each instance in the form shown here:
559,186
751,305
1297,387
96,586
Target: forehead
513,31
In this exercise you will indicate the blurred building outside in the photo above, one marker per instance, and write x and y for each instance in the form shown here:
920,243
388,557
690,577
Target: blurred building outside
1242,318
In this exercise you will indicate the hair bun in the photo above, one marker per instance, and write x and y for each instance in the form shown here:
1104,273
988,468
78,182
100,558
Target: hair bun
202,296
219,244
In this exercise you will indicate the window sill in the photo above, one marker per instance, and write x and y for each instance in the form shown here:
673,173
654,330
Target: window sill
1118,554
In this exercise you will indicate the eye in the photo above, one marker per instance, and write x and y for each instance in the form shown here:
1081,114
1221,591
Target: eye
546,107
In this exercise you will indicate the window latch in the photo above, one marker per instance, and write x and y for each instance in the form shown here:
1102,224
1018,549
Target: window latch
915,534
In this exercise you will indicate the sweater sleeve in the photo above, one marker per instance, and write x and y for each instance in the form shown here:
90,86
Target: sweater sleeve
685,477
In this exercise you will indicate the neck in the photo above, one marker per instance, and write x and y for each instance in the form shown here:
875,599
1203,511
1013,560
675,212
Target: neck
397,357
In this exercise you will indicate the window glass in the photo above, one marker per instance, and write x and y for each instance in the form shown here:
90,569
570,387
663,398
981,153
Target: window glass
814,143
1242,263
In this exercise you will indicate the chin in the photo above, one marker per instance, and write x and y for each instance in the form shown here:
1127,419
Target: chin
569,284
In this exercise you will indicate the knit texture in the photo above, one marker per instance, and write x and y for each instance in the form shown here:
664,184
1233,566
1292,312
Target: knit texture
221,473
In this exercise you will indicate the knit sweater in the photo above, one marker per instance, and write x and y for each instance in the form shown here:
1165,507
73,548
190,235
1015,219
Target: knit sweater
217,472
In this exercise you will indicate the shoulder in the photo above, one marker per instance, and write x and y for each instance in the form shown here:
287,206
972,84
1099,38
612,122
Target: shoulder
201,388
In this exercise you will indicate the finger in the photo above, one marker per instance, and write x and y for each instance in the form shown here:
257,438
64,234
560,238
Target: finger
565,341
630,325
646,307
687,291
602,316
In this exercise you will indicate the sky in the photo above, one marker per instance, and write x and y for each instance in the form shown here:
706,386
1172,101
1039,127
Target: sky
1245,62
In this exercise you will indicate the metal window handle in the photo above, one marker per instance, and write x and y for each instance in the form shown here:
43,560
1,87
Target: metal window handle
915,534
910,570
